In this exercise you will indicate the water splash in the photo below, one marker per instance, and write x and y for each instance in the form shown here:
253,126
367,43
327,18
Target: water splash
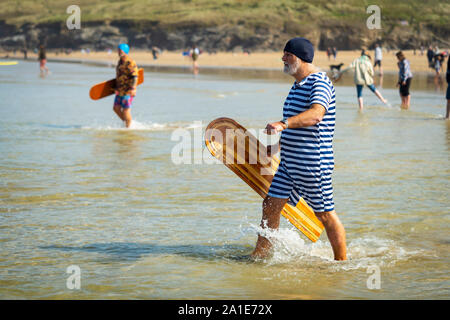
290,248
142,126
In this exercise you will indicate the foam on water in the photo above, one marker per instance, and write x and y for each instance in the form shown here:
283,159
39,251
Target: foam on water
290,248
136,125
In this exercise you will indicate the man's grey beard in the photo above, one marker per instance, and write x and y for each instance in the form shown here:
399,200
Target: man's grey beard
291,68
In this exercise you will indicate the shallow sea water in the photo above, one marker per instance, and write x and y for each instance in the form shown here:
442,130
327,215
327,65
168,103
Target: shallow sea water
76,188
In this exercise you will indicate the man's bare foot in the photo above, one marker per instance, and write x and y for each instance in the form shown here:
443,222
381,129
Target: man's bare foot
262,249
257,255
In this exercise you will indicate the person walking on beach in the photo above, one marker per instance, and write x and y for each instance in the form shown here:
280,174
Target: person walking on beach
404,79
438,62
329,53
126,83
378,57
42,56
363,75
195,52
430,57
307,159
155,52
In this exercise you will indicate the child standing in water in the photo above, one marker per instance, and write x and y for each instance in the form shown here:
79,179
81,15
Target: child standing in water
404,79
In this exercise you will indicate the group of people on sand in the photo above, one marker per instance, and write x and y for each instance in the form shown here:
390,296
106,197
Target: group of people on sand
436,59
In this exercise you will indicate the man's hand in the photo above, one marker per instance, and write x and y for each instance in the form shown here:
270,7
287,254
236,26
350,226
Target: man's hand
274,127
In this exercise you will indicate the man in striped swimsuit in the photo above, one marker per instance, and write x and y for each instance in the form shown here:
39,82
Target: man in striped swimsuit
307,160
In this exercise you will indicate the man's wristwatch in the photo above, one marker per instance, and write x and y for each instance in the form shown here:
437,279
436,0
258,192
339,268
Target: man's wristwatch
285,122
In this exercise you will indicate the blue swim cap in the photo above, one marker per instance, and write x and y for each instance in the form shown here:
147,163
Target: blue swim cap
124,47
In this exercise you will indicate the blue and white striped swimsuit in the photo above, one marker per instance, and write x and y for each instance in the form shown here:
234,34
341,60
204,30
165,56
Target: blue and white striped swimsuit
307,160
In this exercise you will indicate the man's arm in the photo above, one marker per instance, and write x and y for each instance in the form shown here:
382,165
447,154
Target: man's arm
307,118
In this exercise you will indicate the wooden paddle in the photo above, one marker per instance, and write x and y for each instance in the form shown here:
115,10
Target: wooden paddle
107,88
242,152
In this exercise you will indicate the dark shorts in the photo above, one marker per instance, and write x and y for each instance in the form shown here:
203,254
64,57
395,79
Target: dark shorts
359,88
404,89
447,96
377,63
123,101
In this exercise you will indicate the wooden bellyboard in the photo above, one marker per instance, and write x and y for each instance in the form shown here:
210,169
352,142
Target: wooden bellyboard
106,88
242,152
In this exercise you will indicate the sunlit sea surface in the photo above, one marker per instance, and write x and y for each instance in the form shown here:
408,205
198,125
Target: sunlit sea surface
76,188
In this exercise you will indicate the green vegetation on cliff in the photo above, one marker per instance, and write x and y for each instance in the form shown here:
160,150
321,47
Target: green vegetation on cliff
270,14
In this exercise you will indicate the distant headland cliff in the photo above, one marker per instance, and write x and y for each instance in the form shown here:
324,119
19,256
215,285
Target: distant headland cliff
223,25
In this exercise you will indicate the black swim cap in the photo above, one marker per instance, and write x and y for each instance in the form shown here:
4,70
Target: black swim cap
300,47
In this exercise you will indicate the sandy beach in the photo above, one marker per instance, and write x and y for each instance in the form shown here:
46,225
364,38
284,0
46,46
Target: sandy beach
271,60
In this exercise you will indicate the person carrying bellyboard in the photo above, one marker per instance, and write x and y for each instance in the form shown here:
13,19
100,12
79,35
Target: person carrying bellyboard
126,84
307,159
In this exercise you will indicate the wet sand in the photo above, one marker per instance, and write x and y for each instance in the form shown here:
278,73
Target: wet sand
257,60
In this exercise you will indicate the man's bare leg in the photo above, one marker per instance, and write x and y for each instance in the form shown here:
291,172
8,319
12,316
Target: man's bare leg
335,232
270,219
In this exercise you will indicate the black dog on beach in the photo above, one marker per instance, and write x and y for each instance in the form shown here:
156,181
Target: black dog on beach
336,67
335,70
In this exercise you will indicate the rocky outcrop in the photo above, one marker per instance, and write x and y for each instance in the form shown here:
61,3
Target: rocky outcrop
145,34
